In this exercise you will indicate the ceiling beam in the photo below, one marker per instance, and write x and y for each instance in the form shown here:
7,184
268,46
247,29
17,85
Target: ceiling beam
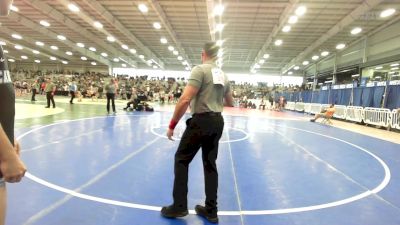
110,18
366,6
62,19
211,19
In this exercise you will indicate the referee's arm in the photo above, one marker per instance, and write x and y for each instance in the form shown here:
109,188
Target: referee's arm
184,101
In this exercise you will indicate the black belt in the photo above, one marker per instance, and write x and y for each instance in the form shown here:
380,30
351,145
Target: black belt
207,114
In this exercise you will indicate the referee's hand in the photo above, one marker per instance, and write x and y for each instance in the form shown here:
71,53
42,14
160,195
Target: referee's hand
170,133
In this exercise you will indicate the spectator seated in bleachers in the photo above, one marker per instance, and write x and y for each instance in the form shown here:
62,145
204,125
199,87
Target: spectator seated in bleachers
325,113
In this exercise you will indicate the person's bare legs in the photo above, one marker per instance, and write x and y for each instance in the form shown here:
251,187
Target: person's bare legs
3,203
316,117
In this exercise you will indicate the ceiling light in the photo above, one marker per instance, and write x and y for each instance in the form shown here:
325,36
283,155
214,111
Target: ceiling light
68,53
125,47
3,43
44,23
220,53
395,64
157,25
110,38
93,63
219,27
296,68
104,54
16,36
24,57
185,63
155,67
61,37
379,67
220,43
395,68
116,60
171,48
293,19
39,43
19,47
13,8
83,58
219,10
253,71
53,58
356,30
97,24
278,42
387,13
315,57
301,10
262,61
286,28
73,7
164,40
340,46
324,53
180,58
36,52
93,49
290,73
123,65
175,52
305,63
187,68
11,60
266,56
257,66
143,8
133,51
54,47
64,62
5,51
141,56
37,61
149,61
81,45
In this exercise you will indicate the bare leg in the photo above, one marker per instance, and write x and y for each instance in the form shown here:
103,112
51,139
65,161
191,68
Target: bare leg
3,203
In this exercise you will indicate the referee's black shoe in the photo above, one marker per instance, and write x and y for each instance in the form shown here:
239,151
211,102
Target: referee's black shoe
210,215
172,211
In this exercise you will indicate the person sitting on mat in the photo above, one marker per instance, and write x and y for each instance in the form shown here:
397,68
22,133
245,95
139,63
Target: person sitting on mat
325,113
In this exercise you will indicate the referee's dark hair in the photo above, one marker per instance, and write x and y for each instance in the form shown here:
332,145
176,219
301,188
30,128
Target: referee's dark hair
211,49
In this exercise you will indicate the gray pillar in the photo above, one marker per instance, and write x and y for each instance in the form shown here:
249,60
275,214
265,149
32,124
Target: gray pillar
334,78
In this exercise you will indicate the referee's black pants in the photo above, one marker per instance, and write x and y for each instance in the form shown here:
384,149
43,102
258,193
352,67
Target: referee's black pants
203,130
50,97
110,97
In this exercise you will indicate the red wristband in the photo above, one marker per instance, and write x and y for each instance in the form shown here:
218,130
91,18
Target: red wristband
172,124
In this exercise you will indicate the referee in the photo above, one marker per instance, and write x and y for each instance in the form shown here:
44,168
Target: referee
206,90
50,90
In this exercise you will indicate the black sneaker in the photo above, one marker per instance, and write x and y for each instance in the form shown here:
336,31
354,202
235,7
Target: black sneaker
312,120
173,212
210,215
47,107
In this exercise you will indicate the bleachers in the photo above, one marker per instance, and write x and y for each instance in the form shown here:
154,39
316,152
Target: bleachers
373,116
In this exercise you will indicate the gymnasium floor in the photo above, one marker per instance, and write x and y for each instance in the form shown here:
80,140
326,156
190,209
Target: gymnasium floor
276,168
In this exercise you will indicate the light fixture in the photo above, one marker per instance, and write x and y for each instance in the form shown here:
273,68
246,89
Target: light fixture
293,19
24,57
61,37
324,53
19,47
157,25
340,46
54,47
149,61
220,43
83,58
39,43
163,40
379,67
68,53
301,10
155,67
93,63
143,8
13,8
290,73
185,62
175,52
11,60
305,63
73,7
93,49
53,58
395,68
141,56
187,68
123,65
257,66
393,65
315,58
111,39
356,30
35,52
180,58
44,23
37,61
104,54
171,48
5,51
125,47
219,27
81,45
296,68
3,43
262,61
266,56
116,60
16,36
98,25
278,42
64,62
286,28
387,13
220,53
253,71
219,10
